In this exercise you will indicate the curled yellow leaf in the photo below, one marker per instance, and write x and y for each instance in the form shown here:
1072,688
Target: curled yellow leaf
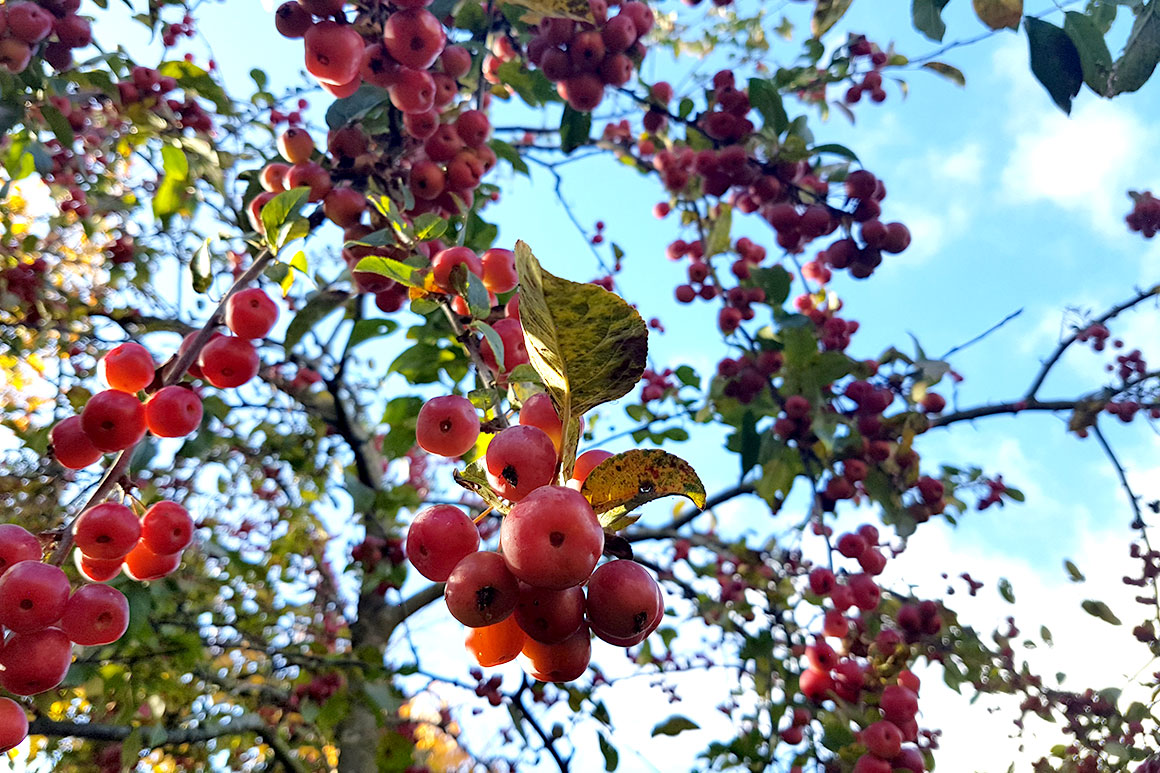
624,482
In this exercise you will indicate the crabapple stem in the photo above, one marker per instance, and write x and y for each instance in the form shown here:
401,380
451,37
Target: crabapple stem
171,376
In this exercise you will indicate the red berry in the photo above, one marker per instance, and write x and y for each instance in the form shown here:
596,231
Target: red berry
446,260
539,412
550,616
128,368
95,615
520,460
480,590
447,426
494,645
107,531
552,539
35,662
13,724
333,52
32,596
17,544
815,685
882,739
113,420
622,600
228,362
71,446
166,528
96,569
499,270
585,464
296,146
898,704
438,539
173,411
143,564
414,37
251,313
561,662
515,350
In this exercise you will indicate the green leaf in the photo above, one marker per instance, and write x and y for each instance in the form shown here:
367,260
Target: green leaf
611,756
775,281
1100,609
474,479
1006,591
59,124
953,74
1073,572
513,73
201,268
280,218
1094,57
429,226
1054,61
574,129
764,96
480,233
493,340
295,267
131,749
826,15
718,240
508,153
349,109
391,268
588,345
170,193
675,725
198,82
927,18
687,376
836,149
1141,53
367,329
318,306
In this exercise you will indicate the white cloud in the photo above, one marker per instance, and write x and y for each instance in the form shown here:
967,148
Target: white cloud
1083,163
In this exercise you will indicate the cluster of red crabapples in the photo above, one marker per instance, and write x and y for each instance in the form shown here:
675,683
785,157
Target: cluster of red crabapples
42,618
116,419
51,29
582,58
851,663
542,593
871,83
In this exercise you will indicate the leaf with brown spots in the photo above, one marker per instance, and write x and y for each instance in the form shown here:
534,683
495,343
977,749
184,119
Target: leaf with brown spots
624,482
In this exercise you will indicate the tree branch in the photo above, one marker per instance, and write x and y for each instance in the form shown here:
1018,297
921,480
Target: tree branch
152,737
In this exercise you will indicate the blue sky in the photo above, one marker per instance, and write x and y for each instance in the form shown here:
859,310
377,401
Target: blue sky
1012,206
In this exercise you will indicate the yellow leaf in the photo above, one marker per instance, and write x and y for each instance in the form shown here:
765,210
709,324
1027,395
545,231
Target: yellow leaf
826,15
998,14
624,482
577,10
587,344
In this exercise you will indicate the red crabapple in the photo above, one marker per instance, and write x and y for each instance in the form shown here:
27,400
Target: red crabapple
494,645
414,37
539,412
96,569
519,460
622,600
173,411
35,662
552,538
515,349
882,739
13,724
445,260
550,616
71,446
438,539
143,564
228,362
95,615
447,426
561,662
333,52
296,146
585,464
17,544
113,420
32,596
106,531
251,313
499,270
480,590
166,528
128,367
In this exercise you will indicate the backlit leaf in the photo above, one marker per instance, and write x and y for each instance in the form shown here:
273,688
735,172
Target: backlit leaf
588,345
998,14
622,483
675,725
826,15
